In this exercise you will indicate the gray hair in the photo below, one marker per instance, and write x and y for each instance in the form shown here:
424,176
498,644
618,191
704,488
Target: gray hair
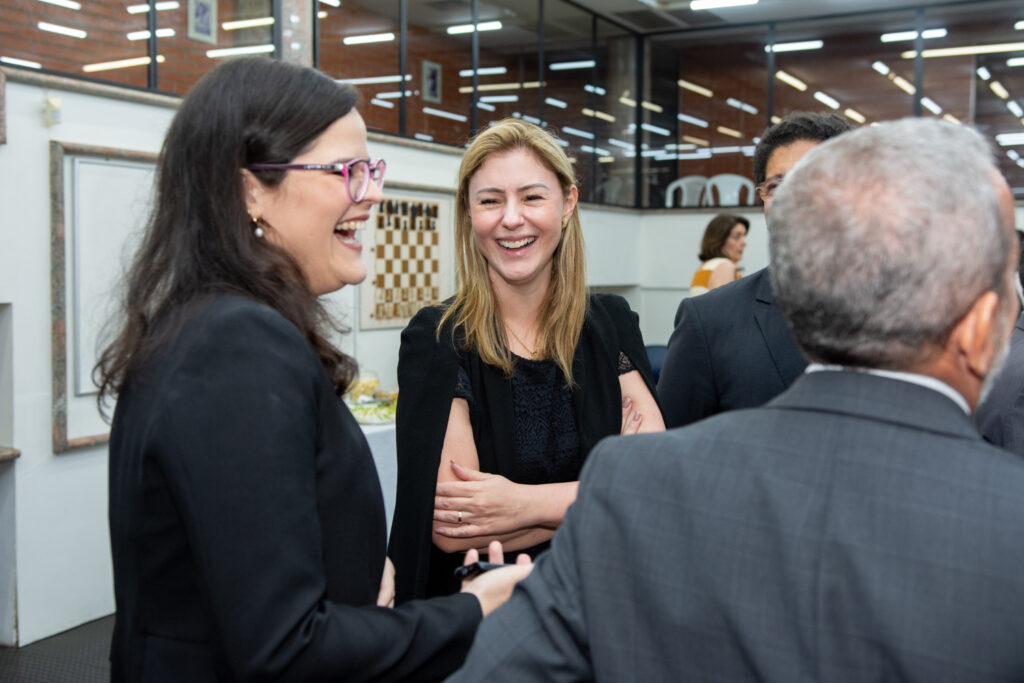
882,238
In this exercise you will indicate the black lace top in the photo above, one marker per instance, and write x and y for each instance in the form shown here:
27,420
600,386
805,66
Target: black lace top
547,439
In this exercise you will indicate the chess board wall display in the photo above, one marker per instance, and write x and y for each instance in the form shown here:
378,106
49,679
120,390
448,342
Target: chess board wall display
409,256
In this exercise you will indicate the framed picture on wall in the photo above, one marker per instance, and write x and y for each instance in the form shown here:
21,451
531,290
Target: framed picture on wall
409,255
431,86
202,21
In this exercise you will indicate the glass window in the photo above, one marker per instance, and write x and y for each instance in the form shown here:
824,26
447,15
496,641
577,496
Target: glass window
359,42
508,82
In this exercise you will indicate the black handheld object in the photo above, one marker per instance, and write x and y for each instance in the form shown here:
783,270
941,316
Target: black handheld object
468,571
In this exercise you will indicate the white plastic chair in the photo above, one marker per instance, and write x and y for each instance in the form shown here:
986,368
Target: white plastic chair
608,191
692,187
729,186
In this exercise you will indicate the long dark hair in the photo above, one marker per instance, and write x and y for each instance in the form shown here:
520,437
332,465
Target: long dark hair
717,233
199,238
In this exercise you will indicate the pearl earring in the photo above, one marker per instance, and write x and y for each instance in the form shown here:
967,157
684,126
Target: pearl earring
257,228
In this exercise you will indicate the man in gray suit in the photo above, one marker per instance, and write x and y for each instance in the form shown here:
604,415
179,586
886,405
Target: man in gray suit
854,528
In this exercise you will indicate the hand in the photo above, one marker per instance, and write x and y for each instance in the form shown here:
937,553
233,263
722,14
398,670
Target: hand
479,504
631,420
493,588
386,594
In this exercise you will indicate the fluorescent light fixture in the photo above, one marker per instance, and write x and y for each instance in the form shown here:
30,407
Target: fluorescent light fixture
628,101
651,106
564,143
718,4
62,30
144,35
424,137
332,3
566,66
735,149
1015,109
927,34
393,94
1019,25
382,103
235,51
702,154
748,151
775,119
789,79
855,115
160,7
693,120
483,87
245,23
120,64
369,38
949,117
70,4
1010,139
605,160
693,87
880,68
619,143
485,71
373,80
733,102
594,150
485,106
929,104
321,14
983,73
651,128
1013,154
1012,61
827,100
700,142
21,62
999,90
577,132
500,98
587,111
533,119
596,89
794,47
555,103
468,28
965,50
731,132
444,114
904,85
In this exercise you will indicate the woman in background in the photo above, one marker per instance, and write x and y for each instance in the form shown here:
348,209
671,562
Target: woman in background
721,249
246,518
504,390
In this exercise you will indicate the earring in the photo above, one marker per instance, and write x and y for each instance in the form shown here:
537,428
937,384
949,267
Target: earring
565,223
257,228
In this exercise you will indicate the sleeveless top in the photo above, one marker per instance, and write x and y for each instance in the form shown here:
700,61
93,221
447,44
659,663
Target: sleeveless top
702,277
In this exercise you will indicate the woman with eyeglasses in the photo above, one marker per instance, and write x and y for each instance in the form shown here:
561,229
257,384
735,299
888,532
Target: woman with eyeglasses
721,249
246,519
505,389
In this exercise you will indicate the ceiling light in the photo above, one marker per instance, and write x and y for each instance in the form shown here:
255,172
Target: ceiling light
1015,109
70,4
555,103
424,137
382,103
929,104
499,86
245,23
880,68
950,118
855,115
718,4
927,34
160,7
624,145
321,14
791,80
369,38
629,102
594,89
1013,154
444,114
1010,139
965,50
565,66
120,64
393,95
500,98
1012,61
983,73
1019,25
733,102
697,141
578,132
904,85
998,89
605,160
732,132
651,106
21,62
685,118
485,106
235,51
594,150
775,119
372,80
651,128
63,30
693,87
144,35
793,47
735,149
468,28
598,115
485,71
827,100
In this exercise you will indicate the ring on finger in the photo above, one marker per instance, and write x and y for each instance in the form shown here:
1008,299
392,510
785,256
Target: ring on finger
460,516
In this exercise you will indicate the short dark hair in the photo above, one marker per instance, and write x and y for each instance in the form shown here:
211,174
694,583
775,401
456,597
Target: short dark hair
717,233
798,125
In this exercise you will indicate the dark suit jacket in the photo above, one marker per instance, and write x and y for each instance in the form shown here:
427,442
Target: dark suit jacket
856,528
732,348
1000,418
247,522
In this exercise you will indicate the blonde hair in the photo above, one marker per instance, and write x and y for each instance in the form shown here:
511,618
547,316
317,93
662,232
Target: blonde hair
475,308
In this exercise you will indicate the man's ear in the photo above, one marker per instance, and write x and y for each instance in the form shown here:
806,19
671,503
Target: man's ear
255,194
975,334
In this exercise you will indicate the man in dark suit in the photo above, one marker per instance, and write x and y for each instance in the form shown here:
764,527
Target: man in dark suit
856,527
731,347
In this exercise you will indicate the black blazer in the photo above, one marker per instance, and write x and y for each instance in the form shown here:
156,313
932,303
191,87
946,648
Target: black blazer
427,372
732,348
247,523
1000,418
855,528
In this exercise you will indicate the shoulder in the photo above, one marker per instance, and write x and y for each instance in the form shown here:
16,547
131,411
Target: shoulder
232,321
610,307
422,329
